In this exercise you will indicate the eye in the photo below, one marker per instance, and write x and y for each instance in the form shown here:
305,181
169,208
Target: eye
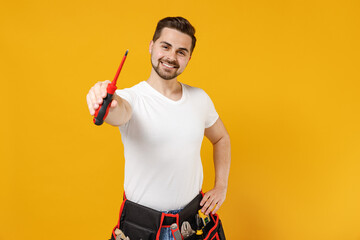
182,53
165,47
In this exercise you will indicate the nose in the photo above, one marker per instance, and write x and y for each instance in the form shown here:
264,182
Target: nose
171,55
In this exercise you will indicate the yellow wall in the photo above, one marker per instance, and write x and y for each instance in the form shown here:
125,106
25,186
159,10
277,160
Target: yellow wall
284,76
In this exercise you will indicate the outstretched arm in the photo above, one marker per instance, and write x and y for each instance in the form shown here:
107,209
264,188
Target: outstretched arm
220,139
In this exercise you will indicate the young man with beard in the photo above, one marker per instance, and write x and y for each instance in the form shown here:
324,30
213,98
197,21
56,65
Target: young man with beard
162,123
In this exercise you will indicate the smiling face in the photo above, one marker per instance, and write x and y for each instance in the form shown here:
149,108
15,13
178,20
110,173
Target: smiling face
170,53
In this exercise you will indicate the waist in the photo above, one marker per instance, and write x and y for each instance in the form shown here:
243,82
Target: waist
166,217
163,198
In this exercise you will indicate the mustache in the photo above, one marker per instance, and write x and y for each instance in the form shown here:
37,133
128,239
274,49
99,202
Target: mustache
171,62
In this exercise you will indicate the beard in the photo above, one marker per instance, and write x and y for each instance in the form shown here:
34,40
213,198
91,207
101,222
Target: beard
166,74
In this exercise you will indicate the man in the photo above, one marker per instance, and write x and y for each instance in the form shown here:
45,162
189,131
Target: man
162,124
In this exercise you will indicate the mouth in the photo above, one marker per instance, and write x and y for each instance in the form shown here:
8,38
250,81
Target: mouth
169,65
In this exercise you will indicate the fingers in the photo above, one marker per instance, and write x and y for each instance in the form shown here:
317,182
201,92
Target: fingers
208,202
211,202
209,205
100,89
204,199
216,207
95,96
113,103
90,99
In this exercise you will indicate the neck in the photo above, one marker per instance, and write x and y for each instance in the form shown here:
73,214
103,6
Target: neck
170,88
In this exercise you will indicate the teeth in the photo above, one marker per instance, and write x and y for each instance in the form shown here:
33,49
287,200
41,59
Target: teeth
168,65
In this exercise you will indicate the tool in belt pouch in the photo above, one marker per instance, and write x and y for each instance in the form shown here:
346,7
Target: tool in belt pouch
139,222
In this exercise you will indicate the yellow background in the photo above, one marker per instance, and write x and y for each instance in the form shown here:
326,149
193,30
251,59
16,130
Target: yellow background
284,76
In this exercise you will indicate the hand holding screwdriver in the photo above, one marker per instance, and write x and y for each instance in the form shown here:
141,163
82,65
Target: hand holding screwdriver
96,95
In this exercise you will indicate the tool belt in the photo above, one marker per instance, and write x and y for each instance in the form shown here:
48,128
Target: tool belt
140,222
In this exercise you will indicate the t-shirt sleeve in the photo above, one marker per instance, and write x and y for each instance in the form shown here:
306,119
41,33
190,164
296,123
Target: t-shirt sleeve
128,95
211,114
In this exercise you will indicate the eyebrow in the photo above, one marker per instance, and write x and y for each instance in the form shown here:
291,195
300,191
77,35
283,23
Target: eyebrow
184,49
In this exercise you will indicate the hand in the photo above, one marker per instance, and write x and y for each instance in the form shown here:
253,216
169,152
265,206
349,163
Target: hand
213,200
95,96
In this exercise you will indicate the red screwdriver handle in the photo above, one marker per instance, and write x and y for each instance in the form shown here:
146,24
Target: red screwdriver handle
103,110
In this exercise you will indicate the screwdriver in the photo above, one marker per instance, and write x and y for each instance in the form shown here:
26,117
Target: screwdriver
103,110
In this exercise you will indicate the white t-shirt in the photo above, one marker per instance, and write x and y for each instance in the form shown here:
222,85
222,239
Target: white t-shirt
162,142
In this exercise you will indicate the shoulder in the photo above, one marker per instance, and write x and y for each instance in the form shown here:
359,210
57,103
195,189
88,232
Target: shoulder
136,89
131,94
197,94
195,91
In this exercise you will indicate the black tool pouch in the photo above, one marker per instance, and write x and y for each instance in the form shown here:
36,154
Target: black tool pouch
140,222
212,231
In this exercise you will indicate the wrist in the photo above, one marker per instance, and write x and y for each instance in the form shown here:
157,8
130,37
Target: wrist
221,185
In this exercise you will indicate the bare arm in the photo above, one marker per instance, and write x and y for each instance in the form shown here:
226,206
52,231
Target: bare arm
220,139
120,110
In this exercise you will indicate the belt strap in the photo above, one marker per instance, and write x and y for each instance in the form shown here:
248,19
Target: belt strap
170,219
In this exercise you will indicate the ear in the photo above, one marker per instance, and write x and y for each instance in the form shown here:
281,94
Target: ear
190,58
150,46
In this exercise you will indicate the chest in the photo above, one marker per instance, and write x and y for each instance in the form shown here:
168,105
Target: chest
158,122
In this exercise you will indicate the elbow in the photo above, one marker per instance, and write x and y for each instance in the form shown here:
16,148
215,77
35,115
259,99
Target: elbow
223,140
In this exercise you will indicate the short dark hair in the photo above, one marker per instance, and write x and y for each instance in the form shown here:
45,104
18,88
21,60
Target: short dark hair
178,23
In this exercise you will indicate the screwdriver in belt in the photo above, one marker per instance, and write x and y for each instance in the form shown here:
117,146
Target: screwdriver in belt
103,110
